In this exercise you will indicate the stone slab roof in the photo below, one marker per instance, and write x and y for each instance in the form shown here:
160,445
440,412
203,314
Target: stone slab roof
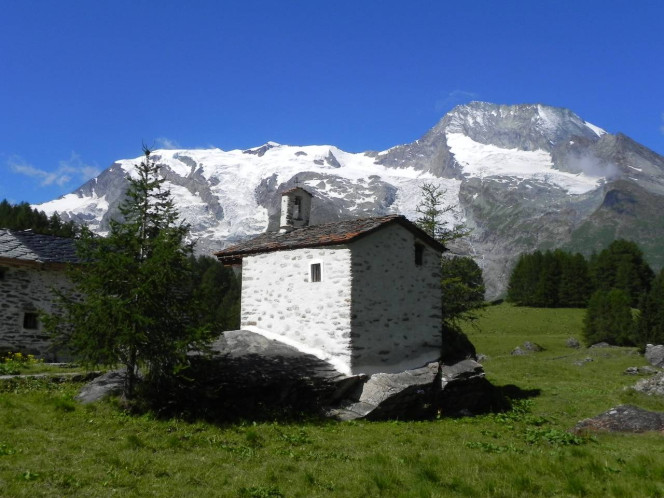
27,246
328,234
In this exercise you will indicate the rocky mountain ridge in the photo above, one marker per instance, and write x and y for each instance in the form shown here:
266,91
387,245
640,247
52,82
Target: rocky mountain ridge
522,177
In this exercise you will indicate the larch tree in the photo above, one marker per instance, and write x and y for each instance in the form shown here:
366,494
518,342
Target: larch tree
431,213
461,278
132,302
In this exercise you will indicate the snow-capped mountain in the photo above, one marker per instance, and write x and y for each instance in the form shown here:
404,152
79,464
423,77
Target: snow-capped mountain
522,177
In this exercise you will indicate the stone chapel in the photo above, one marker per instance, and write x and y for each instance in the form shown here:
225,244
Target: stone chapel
362,294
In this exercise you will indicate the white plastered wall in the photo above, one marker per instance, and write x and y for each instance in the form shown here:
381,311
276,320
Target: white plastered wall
279,301
396,310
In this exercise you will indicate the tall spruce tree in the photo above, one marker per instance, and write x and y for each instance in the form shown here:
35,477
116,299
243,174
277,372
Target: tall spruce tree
136,303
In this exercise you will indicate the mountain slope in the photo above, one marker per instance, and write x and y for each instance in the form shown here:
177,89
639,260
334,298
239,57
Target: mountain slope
522,177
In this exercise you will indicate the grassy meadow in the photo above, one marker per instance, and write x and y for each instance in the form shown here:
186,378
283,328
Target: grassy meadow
51,446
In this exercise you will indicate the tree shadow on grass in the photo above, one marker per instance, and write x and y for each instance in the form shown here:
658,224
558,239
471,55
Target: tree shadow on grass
251,387
510,392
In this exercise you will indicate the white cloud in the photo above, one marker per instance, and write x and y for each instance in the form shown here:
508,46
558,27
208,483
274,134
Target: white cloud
68,170
166,143
593,166
453,98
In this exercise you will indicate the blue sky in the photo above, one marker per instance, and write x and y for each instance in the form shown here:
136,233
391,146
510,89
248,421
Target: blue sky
84,83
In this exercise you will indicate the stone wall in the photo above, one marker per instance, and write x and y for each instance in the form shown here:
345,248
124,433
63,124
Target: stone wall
27,289
396,310
280,301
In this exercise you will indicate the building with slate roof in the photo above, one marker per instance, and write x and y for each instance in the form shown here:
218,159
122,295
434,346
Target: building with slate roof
31,265
362,294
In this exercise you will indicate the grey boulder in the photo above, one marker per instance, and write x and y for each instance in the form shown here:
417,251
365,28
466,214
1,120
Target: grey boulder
655,355
623,418
108,384
652,386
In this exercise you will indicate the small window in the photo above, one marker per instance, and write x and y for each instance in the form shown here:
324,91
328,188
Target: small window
30,321
419,254
3,272
297,212
315,272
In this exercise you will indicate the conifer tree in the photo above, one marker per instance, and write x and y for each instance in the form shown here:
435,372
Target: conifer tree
575,286
463,287
22,217
135,307
622,266
650,324
548,281
609,318
524,279
432,212
461,278
218,291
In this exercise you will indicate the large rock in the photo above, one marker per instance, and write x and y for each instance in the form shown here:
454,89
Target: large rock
655,355
407,394
108,384
248,375
623,418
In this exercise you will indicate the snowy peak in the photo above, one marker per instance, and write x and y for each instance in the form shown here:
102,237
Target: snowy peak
524,127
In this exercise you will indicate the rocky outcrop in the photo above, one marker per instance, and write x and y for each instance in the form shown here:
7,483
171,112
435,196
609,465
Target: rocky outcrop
623,418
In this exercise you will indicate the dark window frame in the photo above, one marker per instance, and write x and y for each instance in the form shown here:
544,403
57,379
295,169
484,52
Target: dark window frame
419,254
316,272
30,320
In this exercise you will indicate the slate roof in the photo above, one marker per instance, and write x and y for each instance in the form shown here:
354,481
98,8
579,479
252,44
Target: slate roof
30,247
328,234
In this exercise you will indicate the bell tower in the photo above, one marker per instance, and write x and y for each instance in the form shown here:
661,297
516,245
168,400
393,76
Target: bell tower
295,209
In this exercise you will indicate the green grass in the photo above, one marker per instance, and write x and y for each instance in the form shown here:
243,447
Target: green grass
52,446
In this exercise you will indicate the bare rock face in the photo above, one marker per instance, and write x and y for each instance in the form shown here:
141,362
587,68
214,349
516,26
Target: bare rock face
655,355
623,418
